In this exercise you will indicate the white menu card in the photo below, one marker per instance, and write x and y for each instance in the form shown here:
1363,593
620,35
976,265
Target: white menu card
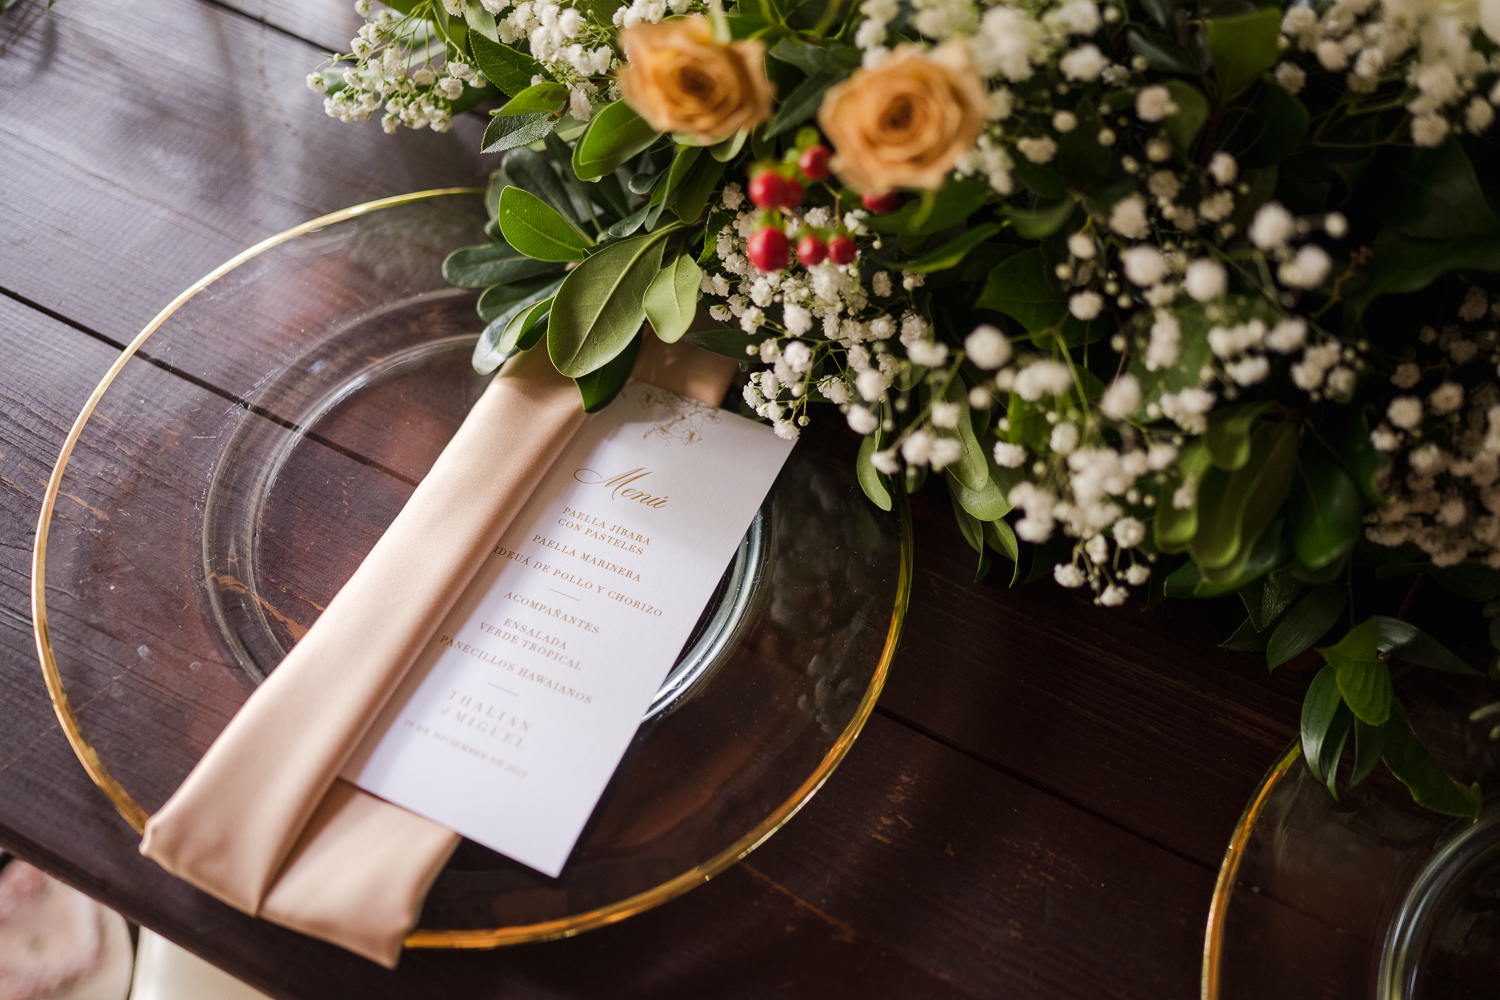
513,720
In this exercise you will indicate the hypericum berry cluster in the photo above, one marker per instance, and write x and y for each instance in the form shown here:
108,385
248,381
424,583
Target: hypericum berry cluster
778,186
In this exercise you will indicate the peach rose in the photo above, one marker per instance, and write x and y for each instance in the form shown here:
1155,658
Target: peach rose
907,121
680,80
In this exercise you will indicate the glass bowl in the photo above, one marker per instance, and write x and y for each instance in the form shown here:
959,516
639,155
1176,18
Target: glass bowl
251,444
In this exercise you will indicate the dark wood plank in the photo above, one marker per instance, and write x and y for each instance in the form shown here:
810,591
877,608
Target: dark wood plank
142,150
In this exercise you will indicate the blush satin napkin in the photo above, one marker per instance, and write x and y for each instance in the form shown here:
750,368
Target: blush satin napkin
263,822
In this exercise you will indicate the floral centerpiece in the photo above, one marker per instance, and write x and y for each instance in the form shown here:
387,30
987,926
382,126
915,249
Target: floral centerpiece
1193,300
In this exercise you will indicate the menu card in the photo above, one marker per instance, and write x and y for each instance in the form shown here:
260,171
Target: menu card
512,721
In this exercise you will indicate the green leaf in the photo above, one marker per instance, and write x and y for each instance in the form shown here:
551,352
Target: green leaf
1269,596
870,479
1402,264
698,187
1369,742
1404,641
987,503
1366,687
1246,639
546,97
498,299
1274,129
631,222
809,58
1228,436
491,264
1435,194
533,227
600,387
533,172
935,211
729,148
729,343
973,466
968,525
480,21
1041,222
1020,289
505,67
952,253
1326,511
512,133
1192,112
615,135
1001,537
601,304
1242,48
1161,53
672,298
502,337
1235,507
1306,623
1430,786
801,104
1175,526
1320,713
1272,549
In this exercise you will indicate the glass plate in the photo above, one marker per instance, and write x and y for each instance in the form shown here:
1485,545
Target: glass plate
1367,896
251,444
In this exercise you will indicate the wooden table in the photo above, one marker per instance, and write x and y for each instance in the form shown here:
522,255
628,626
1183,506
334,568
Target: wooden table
1038,807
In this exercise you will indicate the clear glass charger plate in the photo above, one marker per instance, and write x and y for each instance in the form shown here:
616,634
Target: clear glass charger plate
251,444
1365,896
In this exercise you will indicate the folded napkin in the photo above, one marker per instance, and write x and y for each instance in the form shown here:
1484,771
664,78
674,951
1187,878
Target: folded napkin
263,822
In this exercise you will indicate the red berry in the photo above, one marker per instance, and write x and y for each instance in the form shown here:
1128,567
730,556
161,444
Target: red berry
814,162
811,250
880,203
765,189
768,249
791,194
841,250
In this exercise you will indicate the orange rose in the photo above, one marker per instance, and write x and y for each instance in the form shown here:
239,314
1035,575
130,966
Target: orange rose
907,121
680,80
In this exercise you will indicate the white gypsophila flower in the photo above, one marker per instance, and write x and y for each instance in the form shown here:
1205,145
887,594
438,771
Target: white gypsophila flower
1076,17
1084,63
1097,549
1081,246
1205,279
1113,596
871,385
1064,438
980,398
1405,412
798,355
1474,305
886,461
1129,532
880,284
1121,399
1290,76
987,347
1272,226
945,414
1163,185
917,448
1042,378
1158,150
1154,103
1336,225
1037,149
1137,574
1160,455
1001,103
1340,384
1223,168
834,389
1128,218
1385,439
1249,371
1068,575
1218,206
1187,408
1144,264
862,421
1287,335
1306,270
945,451
1479,115
733,197
1086,305
1446,398
1007,40
1010,456
927,353
1166,336
1064,121
1407,374
1429,129
797,319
